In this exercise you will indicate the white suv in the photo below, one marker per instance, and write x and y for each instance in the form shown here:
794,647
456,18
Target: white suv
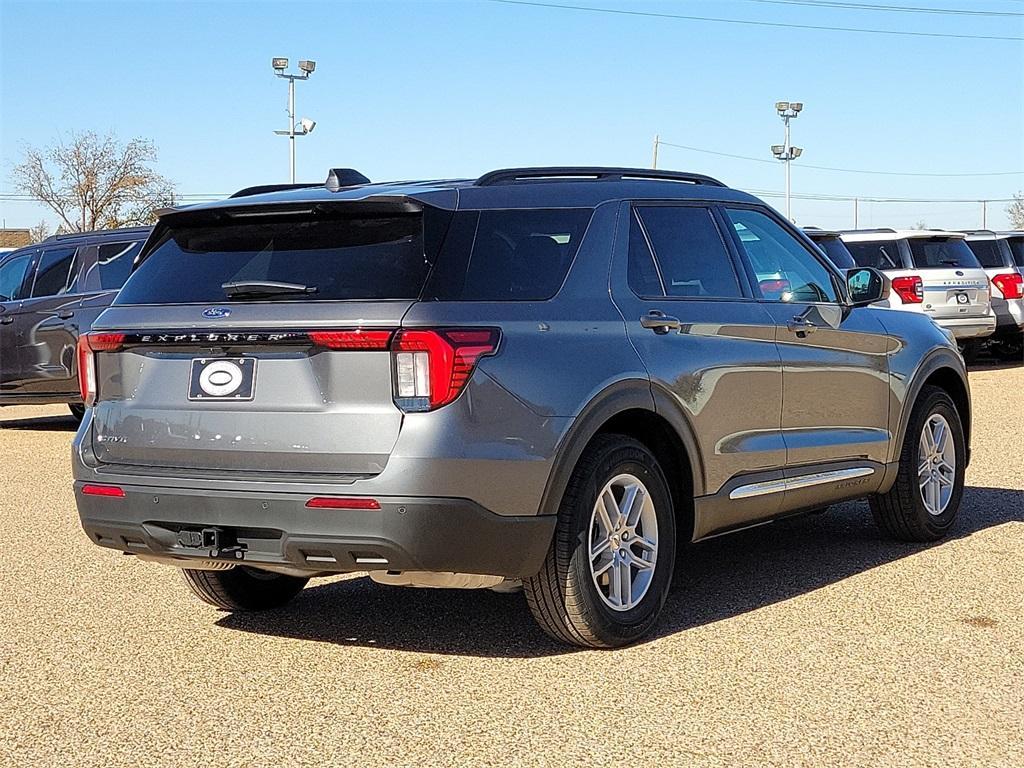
933,272
1002,256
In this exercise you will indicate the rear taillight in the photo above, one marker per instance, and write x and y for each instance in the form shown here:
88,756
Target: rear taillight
351,340
1011,285
431,368
88,344
910,289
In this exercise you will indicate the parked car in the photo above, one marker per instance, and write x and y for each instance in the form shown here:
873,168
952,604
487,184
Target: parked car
933,272
994,253
558,375
51,292
832,245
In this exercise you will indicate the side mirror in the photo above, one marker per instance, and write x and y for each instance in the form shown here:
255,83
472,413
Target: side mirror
866,285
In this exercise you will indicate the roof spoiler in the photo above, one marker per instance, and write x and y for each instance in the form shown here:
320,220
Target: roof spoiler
338,178
261,189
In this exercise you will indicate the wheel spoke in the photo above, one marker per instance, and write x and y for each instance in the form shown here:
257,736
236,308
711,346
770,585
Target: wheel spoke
599,549
647,544
943,480
615,583
626,572
939,435
599,572
607,511
923,468
633,503
637,561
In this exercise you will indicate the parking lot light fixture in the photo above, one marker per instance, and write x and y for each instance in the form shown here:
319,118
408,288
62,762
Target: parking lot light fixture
786,152
306,66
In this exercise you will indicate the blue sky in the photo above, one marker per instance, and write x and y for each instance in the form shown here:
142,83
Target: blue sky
443,89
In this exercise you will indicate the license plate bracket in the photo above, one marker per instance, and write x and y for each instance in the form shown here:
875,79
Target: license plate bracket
222,378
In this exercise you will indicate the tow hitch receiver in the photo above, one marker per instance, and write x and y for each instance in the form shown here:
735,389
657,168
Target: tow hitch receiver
217,541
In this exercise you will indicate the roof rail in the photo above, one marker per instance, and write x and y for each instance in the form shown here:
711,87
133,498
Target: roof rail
590,173
867,231
94,233
344,177
979,231
260,189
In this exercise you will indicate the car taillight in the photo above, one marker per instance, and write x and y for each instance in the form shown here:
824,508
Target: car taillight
432,367
351,340
910,288
88,344
1011,285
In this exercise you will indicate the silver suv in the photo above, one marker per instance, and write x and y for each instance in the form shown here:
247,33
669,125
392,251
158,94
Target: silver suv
1001,254
932,272
559,375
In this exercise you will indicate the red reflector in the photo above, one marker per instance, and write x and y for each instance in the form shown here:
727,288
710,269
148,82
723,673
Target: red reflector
105,342
335,502
356,339
910,288
103,490
1010,285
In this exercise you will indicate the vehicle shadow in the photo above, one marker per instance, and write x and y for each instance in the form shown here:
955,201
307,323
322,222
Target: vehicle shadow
42,424
715,580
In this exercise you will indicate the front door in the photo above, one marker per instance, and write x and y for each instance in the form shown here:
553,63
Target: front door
13,273
708,346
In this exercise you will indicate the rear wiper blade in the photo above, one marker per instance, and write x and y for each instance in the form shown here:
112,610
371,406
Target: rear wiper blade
246,288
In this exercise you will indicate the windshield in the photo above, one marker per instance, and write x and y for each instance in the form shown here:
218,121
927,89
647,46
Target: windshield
1017,249
837,253
336,257
941,253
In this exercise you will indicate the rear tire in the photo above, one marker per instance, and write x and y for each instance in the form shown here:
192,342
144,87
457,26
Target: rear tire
1010,350
923,502
970,351
77,411
243,589
611,598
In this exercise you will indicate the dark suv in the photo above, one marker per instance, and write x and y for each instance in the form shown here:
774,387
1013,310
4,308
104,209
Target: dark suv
555,375
50,293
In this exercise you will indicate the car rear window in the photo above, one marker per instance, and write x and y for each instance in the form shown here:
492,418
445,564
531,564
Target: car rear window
988,252
507,255
941,253
878,254
340,256
1017,249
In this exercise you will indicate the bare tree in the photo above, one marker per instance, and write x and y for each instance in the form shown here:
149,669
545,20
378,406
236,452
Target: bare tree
921,224
39,232
95,182
1015,211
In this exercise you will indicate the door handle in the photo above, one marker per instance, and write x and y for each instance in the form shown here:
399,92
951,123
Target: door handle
66,314
801,326
659,322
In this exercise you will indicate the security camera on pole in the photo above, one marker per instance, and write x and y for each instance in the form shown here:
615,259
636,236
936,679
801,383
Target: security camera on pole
787,152
305,125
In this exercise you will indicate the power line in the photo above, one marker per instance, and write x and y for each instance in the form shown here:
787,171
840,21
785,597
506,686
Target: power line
888,8
842,170
748,22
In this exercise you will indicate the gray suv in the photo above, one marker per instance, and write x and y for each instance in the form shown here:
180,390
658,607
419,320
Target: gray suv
555,375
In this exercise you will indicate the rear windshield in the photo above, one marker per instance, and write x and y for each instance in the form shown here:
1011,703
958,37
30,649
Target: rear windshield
941,253
1017,249
837,252
988,252
336,257
878,254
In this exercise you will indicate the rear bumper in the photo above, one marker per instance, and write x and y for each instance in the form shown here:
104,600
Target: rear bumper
968,327
1009,315
405,534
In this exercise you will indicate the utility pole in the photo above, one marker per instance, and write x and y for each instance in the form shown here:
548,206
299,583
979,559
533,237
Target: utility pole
306,126
786,152
984,214
654,162
856,212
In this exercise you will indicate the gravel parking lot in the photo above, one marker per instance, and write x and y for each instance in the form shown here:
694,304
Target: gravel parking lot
810,642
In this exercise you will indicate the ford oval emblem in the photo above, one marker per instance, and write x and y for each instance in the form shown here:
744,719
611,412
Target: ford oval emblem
959,273
216,313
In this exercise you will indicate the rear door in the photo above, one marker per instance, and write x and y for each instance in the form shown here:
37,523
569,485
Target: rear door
14,272
955,285
256,378
835,363
705,342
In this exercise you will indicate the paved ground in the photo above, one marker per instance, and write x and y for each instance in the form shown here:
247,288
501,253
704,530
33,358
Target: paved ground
811,643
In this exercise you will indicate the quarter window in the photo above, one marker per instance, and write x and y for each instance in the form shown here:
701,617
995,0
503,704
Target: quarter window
114,262
784,269
880,255
52,273
690,255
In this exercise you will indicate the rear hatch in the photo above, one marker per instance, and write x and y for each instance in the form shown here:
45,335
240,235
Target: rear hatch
256,341
954,283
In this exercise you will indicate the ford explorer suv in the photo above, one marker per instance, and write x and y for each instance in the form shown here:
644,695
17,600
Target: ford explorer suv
49,294
995,253
932,272
559,376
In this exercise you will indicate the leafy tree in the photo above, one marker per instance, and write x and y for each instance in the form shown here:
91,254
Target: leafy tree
95,182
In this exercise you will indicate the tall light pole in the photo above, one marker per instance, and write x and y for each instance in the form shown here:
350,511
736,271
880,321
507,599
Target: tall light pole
305,125
786,152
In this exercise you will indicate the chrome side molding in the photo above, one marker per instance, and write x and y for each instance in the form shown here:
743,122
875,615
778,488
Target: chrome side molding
802,481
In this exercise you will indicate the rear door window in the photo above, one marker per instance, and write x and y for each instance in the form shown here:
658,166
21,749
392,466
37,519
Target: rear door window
784,269
988,252
12,276
53,272
507,255
333,255
1017,249
691,257
880,255
942,253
